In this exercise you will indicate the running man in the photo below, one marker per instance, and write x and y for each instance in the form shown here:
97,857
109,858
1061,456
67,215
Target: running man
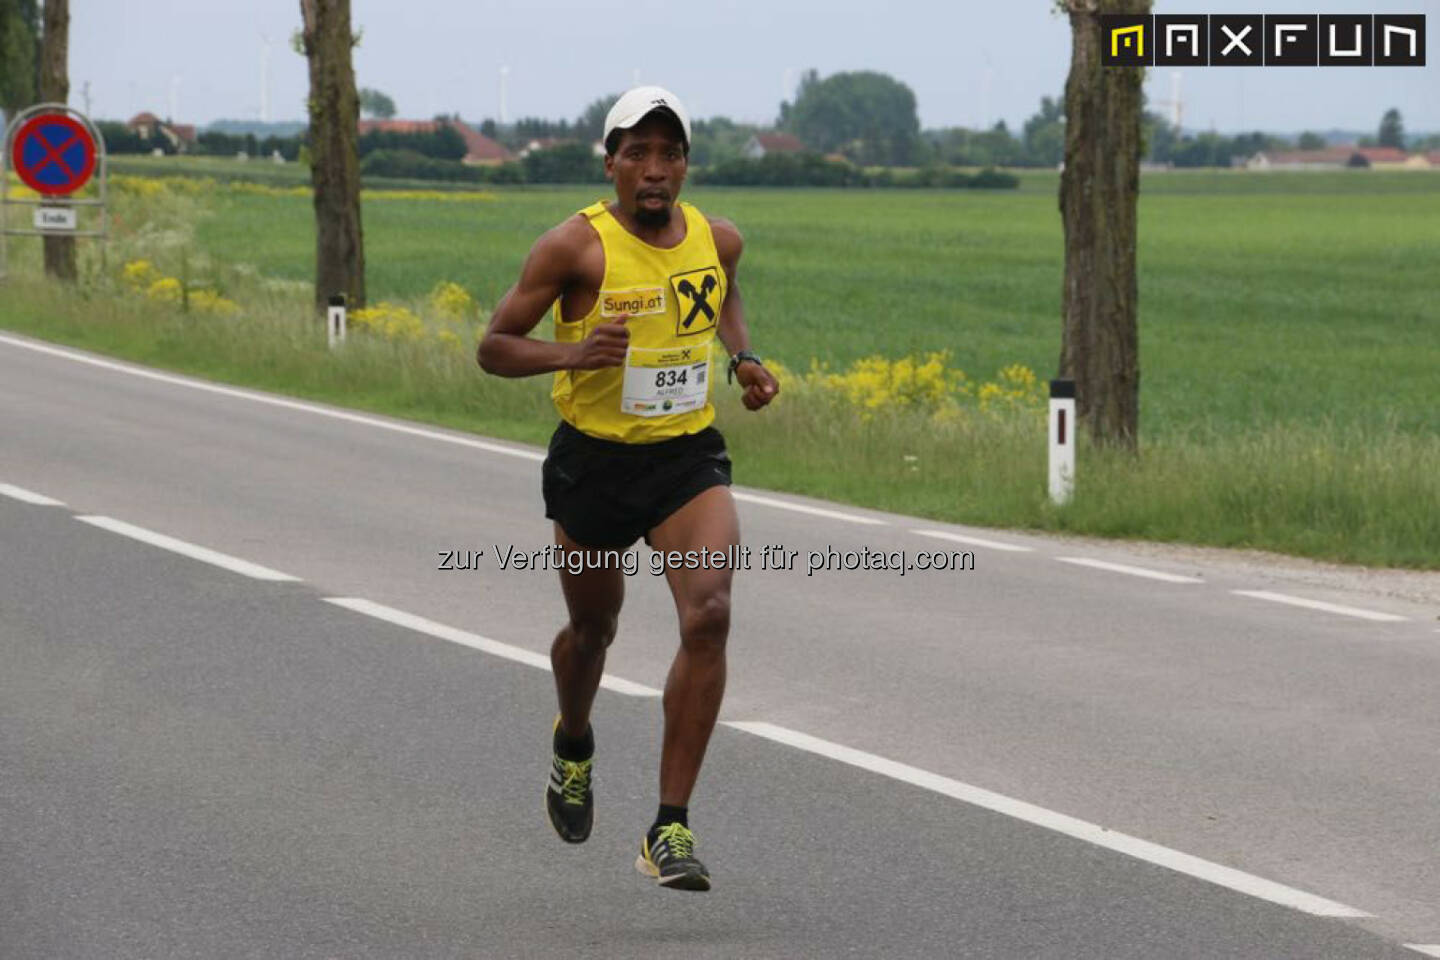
642,286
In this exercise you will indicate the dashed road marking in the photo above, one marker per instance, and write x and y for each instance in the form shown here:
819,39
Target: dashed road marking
194,552
1321,605
974,541
1127,569
477,642
28,496
1184,863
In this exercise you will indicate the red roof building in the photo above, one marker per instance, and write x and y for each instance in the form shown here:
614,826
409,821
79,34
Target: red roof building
772,141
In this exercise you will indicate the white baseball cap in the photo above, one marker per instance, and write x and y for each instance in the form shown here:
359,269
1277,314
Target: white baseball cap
635,105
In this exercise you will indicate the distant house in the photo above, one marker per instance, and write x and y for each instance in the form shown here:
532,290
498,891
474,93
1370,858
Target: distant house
1333,158
761,144
1330,158
148,126
480,150
1382,158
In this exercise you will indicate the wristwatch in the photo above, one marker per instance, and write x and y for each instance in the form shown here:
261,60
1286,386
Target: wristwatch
744,356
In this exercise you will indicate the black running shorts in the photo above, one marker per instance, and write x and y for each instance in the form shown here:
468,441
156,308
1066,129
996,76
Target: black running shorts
607,495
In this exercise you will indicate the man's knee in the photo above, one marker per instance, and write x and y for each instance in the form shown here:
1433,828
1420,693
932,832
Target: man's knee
705,622
594,633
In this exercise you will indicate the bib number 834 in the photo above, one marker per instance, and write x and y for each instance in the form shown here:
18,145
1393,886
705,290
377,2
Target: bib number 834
670,378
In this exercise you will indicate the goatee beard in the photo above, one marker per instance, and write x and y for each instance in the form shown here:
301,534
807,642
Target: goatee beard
646,217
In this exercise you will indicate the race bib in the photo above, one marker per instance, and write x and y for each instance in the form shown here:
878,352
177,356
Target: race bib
665,380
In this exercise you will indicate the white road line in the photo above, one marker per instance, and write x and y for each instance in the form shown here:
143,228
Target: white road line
194,552
1320,605
804,508
1429,949
476,642
276,401
1132,571
28,496
374,422
1059,822
974,541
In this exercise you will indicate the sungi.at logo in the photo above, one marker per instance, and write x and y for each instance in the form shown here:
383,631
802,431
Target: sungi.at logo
1263,40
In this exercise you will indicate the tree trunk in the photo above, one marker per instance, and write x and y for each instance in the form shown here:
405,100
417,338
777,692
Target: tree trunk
334,163
1098,193
55,88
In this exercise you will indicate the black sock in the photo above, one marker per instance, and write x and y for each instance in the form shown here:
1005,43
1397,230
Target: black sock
575,748
669,814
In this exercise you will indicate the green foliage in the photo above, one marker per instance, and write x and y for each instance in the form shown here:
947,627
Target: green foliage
215,143
812,170
783,170
120,139
993,147
518,135
1392,131
19,30
868,116
591,122
410,165
565,163
373,103
718,140
1310,141
1044,134
444,144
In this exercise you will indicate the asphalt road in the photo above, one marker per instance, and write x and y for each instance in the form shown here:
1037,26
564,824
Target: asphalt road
194,762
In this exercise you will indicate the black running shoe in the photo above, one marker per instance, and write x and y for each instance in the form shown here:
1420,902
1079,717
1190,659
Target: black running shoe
668,854
569,799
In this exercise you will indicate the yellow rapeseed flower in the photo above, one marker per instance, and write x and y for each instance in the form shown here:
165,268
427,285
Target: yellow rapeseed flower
208,301
453,302
390,320
139,273
166,290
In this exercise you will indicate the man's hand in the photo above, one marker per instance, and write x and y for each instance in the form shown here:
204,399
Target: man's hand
604,347
760,385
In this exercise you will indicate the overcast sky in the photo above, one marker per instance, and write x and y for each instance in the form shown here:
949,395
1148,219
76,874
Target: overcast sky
970,62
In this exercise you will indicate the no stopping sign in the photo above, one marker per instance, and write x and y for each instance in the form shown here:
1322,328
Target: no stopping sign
53,154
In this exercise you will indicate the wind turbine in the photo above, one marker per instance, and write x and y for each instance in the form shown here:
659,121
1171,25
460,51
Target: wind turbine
504,82
1177,107
264,77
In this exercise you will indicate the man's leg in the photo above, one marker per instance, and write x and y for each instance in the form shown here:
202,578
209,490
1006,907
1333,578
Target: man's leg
695,685
696,682
593,597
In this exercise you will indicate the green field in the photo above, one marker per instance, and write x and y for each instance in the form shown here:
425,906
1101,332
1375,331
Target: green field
1254,307
1289,325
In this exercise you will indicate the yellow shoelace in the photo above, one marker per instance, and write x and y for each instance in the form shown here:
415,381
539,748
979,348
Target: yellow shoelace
577,780
679,837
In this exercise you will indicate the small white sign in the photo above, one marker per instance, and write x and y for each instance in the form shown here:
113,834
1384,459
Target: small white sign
55,218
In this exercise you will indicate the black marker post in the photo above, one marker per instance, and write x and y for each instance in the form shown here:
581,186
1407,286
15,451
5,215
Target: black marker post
335,319
1062,440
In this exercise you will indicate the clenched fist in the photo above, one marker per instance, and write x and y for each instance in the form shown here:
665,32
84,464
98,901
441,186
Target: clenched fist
604,347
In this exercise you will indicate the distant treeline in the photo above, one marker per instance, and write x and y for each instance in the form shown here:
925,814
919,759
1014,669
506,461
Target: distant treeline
813,170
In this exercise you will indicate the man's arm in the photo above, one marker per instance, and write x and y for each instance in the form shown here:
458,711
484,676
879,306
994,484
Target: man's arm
760,385
507,349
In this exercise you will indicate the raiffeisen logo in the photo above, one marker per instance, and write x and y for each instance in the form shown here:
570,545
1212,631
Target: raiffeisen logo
1263,40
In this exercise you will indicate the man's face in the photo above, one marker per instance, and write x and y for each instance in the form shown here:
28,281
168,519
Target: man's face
648,169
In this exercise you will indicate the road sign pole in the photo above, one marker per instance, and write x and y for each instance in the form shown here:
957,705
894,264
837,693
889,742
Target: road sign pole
335,318
1062,440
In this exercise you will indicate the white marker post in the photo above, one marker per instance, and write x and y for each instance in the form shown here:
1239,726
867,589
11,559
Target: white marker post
1062,440
335,318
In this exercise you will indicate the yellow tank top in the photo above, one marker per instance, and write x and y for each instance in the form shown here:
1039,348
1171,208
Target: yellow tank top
674,298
